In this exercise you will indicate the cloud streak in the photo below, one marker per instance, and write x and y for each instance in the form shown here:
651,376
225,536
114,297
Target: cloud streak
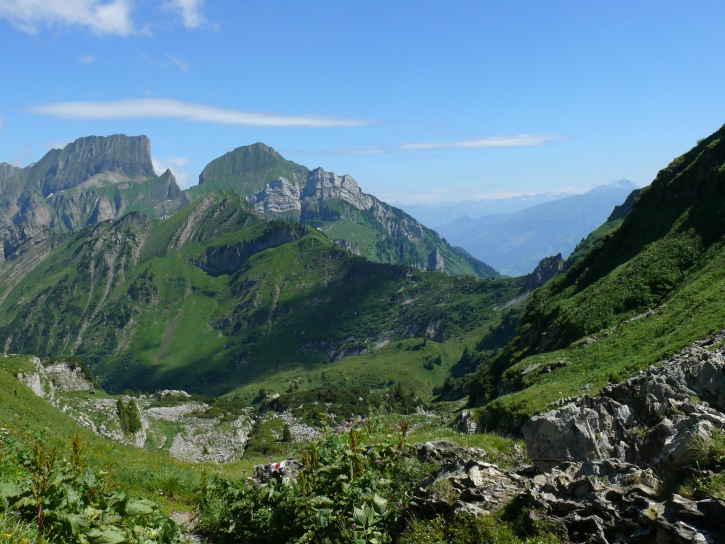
164,108
521,140
110,17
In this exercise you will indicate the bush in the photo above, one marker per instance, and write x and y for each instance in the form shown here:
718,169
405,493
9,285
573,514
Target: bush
51,500
349,491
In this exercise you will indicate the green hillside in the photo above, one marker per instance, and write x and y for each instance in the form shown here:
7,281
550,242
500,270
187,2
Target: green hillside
216,297
649,287
334,204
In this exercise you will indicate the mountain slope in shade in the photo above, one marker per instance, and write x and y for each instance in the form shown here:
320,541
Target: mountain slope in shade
335,205
514,243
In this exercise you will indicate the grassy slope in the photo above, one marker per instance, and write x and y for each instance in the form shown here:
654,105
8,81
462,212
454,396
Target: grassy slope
666,257
139,472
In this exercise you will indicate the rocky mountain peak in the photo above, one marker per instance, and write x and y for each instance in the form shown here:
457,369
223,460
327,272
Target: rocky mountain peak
126,156
243,161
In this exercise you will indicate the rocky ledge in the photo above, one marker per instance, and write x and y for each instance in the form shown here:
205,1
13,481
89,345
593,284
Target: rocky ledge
603,468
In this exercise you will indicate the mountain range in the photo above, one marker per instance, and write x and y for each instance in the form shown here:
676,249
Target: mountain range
98,178
263,263
514,241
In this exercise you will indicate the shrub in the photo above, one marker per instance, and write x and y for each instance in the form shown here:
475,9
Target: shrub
350,490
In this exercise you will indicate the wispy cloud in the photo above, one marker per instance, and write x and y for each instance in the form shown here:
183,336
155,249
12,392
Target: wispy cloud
625,23
521,140
170,61
188,10
110,17
164,108
181,64
87,59
2,123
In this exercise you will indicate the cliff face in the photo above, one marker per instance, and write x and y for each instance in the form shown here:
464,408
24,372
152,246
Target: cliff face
79,161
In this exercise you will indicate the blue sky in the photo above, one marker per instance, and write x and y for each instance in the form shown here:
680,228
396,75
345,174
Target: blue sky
419,101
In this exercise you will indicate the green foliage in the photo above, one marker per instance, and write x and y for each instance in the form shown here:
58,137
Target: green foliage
239,297
350,490
709,455
129,416
67,503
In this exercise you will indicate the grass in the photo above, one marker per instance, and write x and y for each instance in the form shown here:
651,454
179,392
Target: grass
690,312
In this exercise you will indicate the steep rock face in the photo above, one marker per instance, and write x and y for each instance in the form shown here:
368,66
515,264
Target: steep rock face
86,157
321,185
278,198
435,260
91,180
544,271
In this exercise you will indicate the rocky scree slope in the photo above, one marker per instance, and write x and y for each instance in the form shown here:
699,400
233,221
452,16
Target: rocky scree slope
604,467
335,204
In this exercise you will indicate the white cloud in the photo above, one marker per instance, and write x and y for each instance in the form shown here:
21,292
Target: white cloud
87,59
170,61
109,17
189,11
522,140
176,165
164,108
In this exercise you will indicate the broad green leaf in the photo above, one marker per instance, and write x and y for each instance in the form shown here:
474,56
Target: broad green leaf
108,536
140,507
8,490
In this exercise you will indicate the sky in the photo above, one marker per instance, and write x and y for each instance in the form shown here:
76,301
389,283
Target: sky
420,101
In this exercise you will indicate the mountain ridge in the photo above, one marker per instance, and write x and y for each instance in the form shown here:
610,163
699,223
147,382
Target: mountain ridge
335,204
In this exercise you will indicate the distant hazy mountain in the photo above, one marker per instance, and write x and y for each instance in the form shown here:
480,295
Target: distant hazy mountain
515,242
434,215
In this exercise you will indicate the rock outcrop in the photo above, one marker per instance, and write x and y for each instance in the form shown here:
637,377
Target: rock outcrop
282,189
606,457
547,268
677,404
90,180
602,465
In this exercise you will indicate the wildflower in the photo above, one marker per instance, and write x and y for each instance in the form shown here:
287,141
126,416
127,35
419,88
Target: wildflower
399,504
378,462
